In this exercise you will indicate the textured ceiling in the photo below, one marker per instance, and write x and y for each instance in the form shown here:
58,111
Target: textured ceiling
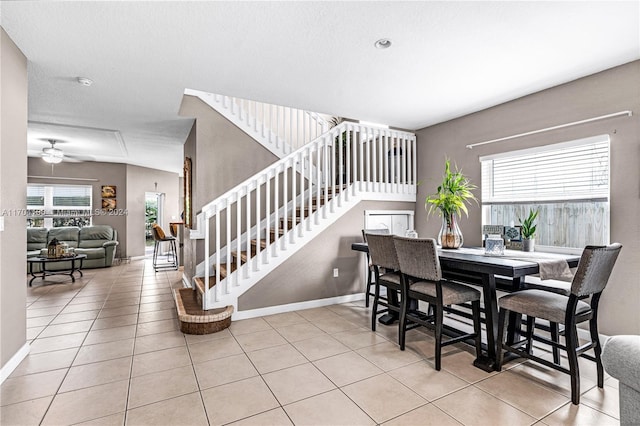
447,59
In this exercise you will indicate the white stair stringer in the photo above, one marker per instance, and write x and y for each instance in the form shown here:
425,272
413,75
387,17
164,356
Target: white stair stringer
343,203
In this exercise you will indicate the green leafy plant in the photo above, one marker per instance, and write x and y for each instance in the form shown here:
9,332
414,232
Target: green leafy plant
454,193
529,225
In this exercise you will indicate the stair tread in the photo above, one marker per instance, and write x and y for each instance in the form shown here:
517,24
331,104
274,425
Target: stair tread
212,278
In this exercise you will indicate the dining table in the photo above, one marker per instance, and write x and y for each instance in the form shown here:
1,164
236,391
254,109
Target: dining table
492,273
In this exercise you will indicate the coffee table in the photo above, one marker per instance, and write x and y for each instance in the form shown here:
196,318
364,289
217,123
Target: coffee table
76,266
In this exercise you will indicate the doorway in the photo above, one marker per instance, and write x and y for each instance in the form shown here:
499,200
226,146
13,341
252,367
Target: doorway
153,209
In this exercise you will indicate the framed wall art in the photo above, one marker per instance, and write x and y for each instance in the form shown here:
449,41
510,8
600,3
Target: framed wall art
108,191
187,193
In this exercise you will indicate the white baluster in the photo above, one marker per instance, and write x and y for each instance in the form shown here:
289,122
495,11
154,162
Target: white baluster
293,198
334,174
367,140
386,165
264,118
276,210
285,203
207,263
267,216
278,126
374,159
301,173
340,147
361,149
404,164
228,231
397,161
309,184
326,173
238,238
318,180
353,158
381,155
217,261
258,225
248,233
414,164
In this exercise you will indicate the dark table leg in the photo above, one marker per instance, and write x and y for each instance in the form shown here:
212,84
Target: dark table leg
32,274
487,362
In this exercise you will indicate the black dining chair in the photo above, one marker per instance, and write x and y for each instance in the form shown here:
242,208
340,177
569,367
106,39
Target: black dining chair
370,272
386,272
422,280
592,275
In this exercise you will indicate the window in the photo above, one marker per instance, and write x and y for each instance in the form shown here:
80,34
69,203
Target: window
58,205
568,183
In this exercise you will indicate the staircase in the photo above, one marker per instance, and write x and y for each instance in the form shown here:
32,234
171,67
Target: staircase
256,226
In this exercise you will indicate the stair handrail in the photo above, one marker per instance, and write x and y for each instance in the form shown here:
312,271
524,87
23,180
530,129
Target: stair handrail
211,206
269,124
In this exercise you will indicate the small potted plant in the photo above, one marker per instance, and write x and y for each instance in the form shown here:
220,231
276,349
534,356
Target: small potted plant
529,230
453,194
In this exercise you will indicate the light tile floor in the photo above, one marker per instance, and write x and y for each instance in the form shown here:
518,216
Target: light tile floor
107,350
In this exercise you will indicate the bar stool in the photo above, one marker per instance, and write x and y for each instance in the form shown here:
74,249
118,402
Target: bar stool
172,257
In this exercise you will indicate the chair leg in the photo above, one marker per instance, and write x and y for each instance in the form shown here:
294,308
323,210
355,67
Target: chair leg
571,338
503,315
368,291
477,326
402,324
593,329
155,253
374,307
555,336
531,322
438,323
175,253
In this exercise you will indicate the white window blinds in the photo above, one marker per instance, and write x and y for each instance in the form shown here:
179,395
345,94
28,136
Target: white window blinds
72,196
577,170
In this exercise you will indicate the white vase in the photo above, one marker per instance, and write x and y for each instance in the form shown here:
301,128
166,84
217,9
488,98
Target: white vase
528,244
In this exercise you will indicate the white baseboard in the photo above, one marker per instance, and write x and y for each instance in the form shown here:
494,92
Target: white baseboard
15,360
272,310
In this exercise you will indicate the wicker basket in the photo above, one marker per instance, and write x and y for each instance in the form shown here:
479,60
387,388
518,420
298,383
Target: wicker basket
194,320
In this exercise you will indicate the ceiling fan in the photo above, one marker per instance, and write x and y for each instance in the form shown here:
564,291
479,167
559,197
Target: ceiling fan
54,155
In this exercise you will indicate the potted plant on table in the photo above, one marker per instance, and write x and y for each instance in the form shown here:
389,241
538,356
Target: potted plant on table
529,230
450,200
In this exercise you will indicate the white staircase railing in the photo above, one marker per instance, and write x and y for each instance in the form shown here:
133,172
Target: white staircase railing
280,129
251,228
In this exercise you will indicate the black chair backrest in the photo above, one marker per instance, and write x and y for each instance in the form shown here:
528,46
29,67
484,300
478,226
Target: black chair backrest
382,231
418,258
594,269
382,251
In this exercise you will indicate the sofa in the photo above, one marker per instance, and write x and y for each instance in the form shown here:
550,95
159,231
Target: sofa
97,242
621,359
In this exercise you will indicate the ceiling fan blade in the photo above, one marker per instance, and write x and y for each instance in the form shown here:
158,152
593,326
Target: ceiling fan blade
78,158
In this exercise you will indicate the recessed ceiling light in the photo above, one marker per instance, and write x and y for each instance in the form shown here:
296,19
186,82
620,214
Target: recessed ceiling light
85,81
383,43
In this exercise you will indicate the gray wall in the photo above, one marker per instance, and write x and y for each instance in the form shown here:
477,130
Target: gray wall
607,92
222,156
139,181
13,195
308,274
